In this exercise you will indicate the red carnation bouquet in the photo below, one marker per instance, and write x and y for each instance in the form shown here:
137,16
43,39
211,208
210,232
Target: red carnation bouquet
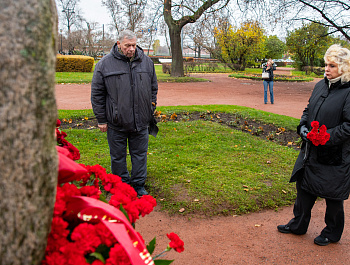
318,135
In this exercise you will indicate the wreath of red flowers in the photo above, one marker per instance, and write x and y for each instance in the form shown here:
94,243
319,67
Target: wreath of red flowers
94,238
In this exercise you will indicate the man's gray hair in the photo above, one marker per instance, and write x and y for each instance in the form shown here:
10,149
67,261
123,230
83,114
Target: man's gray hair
126,34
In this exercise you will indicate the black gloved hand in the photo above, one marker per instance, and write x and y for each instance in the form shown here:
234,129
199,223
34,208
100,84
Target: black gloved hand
303,133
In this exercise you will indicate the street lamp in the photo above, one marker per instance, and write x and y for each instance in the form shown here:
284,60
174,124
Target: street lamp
61,41
69,12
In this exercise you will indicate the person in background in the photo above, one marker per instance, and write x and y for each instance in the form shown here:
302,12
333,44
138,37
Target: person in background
324,170
124,97
268,82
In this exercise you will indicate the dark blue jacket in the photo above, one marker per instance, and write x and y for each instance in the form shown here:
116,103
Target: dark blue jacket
122,91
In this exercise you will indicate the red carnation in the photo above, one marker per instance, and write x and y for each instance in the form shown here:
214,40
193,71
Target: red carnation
133,211
176,243
90,191
60,204
118,256
105,235
86,238
146,204
58,235
315,124
97,262
55,258
118,199
70,190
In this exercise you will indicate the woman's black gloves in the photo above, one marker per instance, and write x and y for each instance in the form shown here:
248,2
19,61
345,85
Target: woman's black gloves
303,132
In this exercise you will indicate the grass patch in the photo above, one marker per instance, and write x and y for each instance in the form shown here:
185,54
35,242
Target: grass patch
73,78
85,78
204,167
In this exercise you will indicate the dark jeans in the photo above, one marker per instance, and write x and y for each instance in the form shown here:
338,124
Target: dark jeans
334,217
138,146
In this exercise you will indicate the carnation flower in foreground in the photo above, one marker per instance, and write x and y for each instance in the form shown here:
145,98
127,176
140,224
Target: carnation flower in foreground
176,243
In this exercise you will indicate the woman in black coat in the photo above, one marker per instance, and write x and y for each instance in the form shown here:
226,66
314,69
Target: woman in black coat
324,170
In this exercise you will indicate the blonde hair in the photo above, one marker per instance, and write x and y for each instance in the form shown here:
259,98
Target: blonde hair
341,56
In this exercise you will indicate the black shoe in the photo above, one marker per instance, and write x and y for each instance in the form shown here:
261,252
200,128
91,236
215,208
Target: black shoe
322,241
284,229
140,190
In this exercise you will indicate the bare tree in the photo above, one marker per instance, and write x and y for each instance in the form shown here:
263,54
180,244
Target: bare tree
179,13
333,14
126,14
70,17
28,157
202,32
95,40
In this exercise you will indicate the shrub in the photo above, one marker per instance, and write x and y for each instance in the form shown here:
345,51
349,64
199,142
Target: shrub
166,67
188,59
316,70
74,63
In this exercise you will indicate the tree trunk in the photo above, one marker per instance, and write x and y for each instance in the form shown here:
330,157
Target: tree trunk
175,27
28,158
177,68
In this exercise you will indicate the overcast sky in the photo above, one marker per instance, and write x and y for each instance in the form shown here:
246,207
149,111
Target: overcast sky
93,11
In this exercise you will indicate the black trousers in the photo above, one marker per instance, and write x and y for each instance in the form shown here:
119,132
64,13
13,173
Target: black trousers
138,146
334,217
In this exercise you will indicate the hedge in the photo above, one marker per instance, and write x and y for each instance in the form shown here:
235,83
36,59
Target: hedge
74,63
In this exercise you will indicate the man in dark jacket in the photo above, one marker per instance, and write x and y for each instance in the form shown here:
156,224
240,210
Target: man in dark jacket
124,96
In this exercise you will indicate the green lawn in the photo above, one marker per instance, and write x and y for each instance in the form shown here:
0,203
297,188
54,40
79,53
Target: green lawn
250,73
78,77
204,167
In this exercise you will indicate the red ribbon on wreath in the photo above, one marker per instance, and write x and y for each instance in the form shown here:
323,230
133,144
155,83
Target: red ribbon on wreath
92,210
318,135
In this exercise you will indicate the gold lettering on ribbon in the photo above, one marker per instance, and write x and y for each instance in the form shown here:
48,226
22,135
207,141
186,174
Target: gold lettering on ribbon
146,257
87,218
